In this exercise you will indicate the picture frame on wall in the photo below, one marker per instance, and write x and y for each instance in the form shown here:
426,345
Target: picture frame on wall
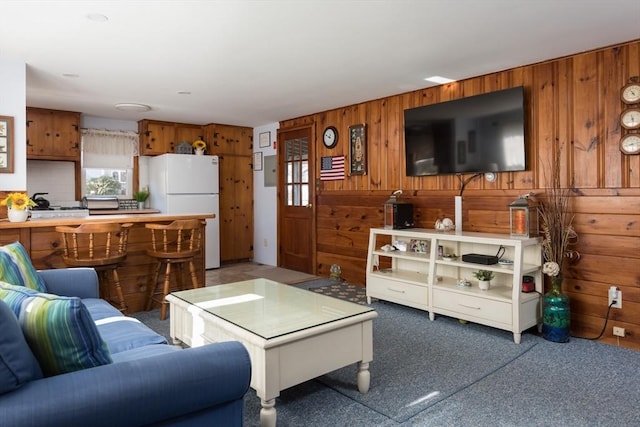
6,144
257,161
358,149
264,139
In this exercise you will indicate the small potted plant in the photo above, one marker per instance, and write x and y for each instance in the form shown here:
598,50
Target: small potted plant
484,278
141,197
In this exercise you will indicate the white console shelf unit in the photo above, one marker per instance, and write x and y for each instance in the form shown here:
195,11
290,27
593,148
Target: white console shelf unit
427,282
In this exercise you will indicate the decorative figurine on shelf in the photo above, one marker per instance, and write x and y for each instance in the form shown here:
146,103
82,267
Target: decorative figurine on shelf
444,224
199,146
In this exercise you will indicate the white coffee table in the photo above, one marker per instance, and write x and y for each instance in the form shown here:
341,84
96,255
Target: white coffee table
292,335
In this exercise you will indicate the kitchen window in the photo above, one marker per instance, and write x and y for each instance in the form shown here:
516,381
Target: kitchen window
107,162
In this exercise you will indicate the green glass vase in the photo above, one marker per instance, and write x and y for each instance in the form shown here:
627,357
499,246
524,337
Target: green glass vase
556,315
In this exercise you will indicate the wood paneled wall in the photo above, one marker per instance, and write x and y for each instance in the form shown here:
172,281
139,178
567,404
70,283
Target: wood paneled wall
572,102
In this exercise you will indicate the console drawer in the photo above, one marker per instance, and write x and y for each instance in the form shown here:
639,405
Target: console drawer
470,305
396,291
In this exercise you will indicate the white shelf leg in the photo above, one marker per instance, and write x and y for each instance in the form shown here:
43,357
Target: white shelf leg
516,338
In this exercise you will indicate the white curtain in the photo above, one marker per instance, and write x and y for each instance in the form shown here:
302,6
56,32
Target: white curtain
108,149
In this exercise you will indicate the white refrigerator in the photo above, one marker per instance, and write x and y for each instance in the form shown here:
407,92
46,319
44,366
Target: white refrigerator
188,184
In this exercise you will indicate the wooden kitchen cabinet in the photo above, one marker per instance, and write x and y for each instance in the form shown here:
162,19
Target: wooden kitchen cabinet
156,137
188,133
234,146
53,134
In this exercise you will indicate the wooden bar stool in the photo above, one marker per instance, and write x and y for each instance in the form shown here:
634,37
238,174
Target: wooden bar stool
102,246
173,244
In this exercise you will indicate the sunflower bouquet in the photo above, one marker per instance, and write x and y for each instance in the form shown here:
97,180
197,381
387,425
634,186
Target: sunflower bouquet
199,145
17,201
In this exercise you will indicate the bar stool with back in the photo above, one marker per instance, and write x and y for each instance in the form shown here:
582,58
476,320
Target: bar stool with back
102,246
173,244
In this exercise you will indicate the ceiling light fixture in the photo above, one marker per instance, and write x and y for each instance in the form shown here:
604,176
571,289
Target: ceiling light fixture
438,79
127,106
97,17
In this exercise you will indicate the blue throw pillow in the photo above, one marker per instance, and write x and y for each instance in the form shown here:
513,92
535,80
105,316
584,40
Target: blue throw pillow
14,295
62,334
17,363
16,268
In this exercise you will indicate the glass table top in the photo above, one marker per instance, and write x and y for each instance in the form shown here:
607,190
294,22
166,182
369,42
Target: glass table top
270,309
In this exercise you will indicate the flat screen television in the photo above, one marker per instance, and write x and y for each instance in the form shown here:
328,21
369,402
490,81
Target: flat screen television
482,133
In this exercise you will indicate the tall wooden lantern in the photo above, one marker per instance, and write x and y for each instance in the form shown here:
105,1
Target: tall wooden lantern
523,215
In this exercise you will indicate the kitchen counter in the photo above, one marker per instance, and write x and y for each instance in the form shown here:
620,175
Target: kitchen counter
123,211
104,216
44,246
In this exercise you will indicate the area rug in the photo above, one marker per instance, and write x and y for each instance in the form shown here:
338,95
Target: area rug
281,275
341,290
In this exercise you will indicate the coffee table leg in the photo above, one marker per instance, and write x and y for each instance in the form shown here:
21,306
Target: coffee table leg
364,377
268,413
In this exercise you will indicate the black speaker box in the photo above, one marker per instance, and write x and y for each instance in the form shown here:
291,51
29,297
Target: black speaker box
480,259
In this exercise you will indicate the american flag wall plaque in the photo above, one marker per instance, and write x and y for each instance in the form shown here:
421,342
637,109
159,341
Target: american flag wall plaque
331,168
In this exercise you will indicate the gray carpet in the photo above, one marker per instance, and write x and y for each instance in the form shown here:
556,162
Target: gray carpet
444,373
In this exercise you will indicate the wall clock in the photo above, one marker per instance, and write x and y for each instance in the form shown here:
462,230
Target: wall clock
630,143
630,93
330,137
630,119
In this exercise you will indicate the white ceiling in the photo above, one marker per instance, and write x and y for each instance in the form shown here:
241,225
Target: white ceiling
256,62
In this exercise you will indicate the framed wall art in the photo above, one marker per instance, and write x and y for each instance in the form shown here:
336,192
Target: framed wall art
257,161
358,149
265,139
6,144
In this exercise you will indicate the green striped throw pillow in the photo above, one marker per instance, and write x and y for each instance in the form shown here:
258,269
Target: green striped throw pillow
62,334
14,295
16,268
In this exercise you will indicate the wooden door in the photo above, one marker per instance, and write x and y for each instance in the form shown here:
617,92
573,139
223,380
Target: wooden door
296,210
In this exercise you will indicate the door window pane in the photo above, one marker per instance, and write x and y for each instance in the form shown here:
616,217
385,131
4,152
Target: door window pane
297,167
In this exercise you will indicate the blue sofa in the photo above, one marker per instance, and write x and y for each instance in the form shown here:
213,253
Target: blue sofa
147,381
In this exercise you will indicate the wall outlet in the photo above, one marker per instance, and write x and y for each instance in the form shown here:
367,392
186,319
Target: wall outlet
618,332
265,243
615,294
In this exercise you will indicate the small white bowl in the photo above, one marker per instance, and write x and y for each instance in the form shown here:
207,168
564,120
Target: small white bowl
505,263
